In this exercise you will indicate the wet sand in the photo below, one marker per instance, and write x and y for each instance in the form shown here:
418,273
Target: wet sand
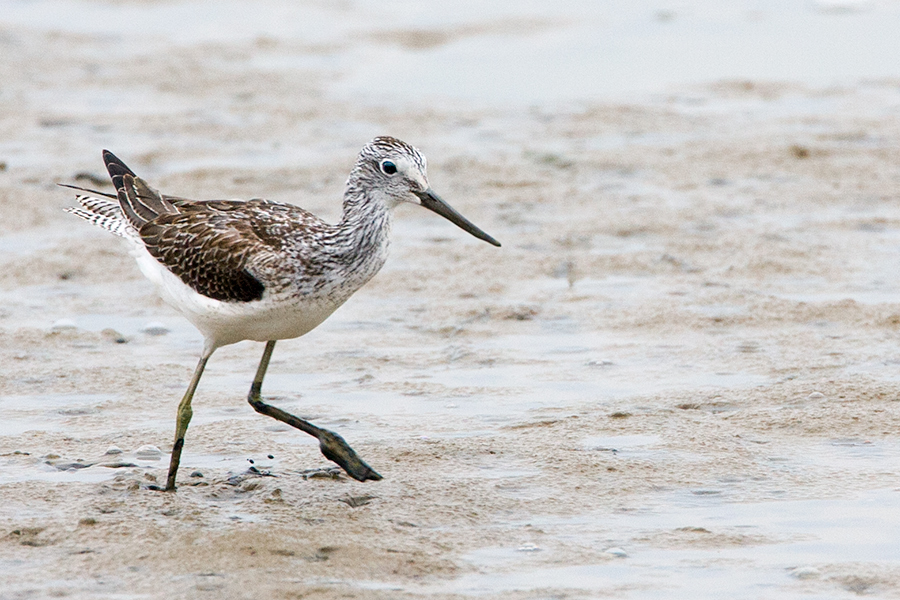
678,376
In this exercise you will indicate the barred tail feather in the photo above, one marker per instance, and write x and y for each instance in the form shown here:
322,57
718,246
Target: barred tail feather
112,225
105,214
106,208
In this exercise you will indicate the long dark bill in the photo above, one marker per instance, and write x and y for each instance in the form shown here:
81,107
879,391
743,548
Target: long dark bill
433,202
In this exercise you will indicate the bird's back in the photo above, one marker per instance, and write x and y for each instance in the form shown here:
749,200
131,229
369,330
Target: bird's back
253,269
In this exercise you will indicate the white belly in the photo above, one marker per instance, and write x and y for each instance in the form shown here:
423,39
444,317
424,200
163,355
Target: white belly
223,323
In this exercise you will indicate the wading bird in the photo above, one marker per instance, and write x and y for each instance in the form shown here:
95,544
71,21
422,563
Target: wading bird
262,270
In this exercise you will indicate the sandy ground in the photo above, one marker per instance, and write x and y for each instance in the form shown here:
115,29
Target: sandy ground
695,308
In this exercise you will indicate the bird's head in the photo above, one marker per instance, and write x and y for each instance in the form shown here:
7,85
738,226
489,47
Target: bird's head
395,172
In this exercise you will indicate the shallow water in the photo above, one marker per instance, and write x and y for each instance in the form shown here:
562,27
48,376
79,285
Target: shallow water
794,537
507,54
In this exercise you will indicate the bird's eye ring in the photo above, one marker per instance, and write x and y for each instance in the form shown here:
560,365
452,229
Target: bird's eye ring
388,167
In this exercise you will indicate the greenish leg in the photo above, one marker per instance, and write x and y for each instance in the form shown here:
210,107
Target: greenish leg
331,444
181,424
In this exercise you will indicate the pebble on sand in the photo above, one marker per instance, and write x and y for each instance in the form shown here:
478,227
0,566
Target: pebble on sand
63,325
148,452
113,336
155,328
805,572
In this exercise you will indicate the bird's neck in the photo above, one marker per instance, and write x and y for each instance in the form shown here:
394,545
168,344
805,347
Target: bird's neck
364,231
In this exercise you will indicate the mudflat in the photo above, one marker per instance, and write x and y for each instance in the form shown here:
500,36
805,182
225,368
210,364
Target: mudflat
678,373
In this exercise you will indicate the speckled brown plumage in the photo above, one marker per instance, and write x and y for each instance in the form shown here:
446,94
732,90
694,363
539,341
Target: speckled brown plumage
223,248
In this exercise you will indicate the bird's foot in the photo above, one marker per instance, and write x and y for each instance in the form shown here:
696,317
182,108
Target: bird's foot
337,450
158,488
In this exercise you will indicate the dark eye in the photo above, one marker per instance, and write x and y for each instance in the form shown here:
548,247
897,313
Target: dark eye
388,167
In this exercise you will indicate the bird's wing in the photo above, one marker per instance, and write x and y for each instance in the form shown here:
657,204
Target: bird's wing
212,247
139,202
